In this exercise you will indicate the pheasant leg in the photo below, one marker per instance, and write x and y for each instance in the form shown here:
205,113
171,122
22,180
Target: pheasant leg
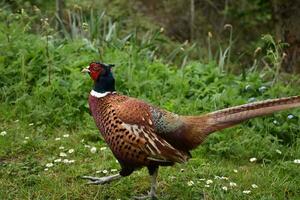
152,194
102,180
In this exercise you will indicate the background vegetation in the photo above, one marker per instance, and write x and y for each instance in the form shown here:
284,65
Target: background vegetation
187,68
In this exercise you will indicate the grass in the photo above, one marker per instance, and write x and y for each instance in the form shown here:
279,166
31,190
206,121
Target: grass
23,175
44,97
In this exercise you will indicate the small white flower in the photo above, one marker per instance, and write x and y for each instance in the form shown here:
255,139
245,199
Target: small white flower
252,99
82,140
48,165
17,121
207,186
217,177
3,133
224,178
71,151
31,124
117,161
248,87
290,116
87,146
113,170
209,181
46,169
262,89
254,186
57,160
98,172
62,154
65,161
71,161
275,122
224,188
57,139
105,171
235,171
246,191
278,151
66,135
202,179
25,141
93,150
181,170
190,183
61,148
232,184
103,148
26,138
253,159
297,161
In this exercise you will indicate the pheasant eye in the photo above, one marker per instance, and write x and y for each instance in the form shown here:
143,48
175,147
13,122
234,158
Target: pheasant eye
95,67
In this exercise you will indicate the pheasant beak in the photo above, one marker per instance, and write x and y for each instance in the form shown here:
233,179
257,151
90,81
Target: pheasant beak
86,70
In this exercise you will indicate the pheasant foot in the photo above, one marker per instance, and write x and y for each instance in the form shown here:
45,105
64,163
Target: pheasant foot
101,180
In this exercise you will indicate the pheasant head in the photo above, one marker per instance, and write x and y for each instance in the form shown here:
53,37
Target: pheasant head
102,76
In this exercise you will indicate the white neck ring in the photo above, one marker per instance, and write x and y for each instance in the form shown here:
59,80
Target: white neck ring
99,94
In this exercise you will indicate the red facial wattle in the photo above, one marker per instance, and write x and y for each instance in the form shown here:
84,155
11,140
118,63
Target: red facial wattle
94,74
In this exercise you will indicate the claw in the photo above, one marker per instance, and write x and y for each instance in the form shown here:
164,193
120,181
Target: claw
150,195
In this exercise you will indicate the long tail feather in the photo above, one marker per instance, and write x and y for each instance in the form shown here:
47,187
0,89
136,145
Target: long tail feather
201,126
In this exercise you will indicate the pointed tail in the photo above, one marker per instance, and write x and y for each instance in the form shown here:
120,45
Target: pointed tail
201,126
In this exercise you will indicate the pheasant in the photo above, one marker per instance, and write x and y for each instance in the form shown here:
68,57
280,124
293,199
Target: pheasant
142,135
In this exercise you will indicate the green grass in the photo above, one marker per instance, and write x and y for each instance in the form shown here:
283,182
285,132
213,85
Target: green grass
32,106
23,162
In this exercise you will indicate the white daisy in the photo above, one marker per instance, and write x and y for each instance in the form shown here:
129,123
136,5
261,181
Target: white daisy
62,154
103,148
224,188
190,183
48,165
232,184
278,151
71,151
3,133
93,150
297,161
290,116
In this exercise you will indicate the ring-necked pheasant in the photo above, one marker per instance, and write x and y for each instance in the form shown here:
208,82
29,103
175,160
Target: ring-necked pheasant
140,134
